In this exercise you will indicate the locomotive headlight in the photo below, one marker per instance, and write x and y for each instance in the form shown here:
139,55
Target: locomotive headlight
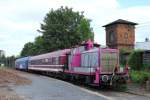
105,78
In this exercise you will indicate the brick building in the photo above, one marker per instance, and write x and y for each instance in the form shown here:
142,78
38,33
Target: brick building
120,34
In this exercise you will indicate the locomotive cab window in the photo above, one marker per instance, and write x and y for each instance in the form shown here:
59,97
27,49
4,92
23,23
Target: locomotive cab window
89,59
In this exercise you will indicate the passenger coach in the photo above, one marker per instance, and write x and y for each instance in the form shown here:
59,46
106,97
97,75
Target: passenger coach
51,62
22,63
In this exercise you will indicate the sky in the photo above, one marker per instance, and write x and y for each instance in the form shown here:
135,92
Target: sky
20,19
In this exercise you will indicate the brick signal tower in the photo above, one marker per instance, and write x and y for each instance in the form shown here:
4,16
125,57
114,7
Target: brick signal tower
120,34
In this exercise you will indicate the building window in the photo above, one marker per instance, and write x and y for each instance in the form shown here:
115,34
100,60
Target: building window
126,35
111,37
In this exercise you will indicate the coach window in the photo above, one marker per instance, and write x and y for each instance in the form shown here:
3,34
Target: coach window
34,61
57,60
46,61
50,61
42,61
53,61
31,62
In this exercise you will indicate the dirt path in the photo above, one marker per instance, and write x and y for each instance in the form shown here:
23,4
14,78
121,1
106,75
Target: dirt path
9,78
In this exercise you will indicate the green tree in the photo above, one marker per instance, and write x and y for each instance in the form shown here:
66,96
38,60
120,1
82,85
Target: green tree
34,48
28,49
63,28
39,45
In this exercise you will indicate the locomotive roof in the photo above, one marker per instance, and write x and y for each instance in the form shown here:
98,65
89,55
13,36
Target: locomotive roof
51,54
96,49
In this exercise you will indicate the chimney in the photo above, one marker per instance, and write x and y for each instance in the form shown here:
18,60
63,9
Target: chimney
146,39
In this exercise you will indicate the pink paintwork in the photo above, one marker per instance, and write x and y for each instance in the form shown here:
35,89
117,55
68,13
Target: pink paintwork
89,44
97,76
76,59
97,73
79,73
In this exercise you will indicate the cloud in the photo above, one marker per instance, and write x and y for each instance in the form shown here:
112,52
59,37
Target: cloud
138,14
21,18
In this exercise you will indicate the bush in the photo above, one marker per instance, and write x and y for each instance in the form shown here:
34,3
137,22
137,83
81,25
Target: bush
122,56
140,76
146,67
135,60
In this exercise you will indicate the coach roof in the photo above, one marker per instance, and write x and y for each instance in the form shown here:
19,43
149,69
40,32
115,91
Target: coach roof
51,54
22,59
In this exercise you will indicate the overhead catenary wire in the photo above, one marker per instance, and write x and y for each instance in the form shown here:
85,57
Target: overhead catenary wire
143,24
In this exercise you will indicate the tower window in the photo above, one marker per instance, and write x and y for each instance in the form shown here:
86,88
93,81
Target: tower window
111,37
126,35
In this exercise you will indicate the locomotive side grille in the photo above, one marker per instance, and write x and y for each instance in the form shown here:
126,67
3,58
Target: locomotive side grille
109,60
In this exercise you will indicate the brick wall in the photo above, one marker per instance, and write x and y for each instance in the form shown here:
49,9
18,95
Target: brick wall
124,36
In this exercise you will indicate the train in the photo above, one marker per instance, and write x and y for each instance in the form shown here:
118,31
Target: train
88,63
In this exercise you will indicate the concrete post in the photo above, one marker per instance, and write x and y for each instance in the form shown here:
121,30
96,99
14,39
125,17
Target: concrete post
148,85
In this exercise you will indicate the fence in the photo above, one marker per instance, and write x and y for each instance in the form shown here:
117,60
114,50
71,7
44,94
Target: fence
7,62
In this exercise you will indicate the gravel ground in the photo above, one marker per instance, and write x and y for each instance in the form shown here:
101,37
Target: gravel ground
25,86
45,88
7,94
123,96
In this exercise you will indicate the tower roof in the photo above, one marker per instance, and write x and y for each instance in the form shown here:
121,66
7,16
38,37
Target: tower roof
120,21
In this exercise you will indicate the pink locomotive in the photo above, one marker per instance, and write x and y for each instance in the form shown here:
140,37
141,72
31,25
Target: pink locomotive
88,63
